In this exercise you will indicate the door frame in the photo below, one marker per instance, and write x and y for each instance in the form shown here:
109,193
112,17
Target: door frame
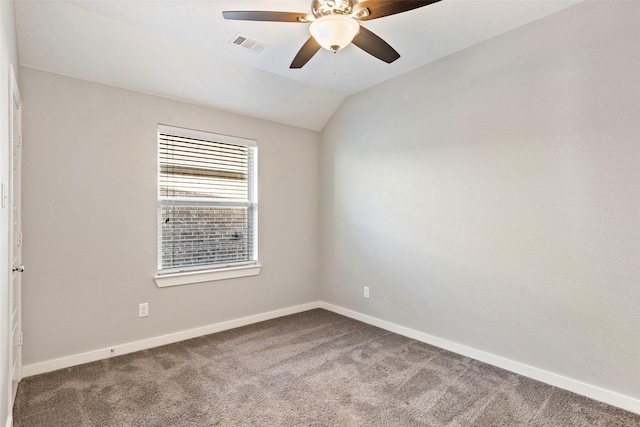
8,197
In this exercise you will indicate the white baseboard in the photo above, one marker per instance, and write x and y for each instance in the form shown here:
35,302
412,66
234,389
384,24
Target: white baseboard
105,353
609,397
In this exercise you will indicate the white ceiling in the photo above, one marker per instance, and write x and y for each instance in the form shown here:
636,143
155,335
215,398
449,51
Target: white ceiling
179,49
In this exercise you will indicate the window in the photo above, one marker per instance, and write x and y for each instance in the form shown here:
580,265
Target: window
207,201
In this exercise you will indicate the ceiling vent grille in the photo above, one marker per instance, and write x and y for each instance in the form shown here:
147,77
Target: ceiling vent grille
247,44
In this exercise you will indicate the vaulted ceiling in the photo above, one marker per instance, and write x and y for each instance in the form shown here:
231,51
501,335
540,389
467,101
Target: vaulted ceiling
181,49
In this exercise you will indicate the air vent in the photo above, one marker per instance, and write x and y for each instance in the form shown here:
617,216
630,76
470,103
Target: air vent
247,44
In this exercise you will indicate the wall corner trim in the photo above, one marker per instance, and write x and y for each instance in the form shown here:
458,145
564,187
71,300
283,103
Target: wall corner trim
594,392
120,349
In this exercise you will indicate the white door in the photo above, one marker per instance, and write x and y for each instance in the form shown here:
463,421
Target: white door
15,241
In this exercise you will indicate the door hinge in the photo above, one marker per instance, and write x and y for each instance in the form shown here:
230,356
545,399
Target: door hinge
20,339
20,140
19,239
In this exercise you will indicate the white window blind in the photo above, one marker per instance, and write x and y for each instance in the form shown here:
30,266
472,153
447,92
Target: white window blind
207,200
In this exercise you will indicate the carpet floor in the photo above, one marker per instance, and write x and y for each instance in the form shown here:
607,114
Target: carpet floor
315,368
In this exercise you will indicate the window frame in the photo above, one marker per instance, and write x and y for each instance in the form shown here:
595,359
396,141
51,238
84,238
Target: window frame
208,272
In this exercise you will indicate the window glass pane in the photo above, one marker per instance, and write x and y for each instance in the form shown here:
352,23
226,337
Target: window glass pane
203,169
204,235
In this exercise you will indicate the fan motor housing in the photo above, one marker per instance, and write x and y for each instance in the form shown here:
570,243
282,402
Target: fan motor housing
321,8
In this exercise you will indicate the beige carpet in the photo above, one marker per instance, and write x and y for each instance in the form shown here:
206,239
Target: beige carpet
310,369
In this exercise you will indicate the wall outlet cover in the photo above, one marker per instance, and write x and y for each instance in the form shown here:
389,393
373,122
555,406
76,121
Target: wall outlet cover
143,309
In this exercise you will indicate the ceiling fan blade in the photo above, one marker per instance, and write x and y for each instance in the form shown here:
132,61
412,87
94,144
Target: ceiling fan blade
263,15
306,52
366,10
374,45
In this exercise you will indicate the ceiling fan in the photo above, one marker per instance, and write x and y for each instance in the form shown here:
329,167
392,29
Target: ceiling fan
334,25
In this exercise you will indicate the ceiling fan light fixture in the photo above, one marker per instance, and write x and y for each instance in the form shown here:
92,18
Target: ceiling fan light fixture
334,32
362,13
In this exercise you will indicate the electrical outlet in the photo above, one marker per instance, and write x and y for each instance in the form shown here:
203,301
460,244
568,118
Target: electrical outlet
143,309
366,292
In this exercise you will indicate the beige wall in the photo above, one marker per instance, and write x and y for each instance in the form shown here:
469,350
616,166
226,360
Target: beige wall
90,218
492,198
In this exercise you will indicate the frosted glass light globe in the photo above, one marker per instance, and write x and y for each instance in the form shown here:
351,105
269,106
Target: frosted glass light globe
333,32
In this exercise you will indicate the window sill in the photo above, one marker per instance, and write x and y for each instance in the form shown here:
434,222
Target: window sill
190,277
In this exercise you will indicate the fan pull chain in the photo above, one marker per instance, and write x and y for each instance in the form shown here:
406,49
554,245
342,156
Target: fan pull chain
334,68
